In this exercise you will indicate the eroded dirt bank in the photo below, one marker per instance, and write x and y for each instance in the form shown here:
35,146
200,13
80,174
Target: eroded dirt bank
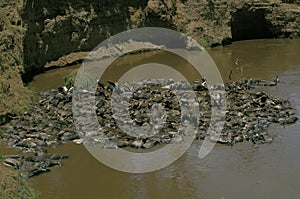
57,29
14,97
35,33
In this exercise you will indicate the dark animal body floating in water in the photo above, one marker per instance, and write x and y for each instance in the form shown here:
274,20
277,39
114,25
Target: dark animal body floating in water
248,116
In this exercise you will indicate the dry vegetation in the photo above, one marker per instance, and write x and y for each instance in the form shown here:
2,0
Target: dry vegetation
13,186
14,98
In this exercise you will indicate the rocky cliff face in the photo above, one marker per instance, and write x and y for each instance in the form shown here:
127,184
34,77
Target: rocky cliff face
14,98
59,28
217,22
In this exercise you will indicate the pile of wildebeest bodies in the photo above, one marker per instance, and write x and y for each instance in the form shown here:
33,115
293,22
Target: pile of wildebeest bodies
50,123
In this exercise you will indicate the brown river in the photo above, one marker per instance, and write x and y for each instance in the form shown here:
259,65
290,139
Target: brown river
243,171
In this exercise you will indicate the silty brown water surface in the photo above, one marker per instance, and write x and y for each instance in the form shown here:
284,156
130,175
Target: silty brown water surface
242,171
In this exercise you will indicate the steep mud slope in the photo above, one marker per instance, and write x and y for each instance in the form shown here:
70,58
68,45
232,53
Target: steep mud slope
34,33
14,98
56,29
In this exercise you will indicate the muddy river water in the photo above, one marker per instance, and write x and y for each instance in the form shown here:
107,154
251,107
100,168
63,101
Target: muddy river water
244,170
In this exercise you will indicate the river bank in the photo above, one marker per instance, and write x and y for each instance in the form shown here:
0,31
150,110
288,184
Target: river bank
13,186
15,99
29,46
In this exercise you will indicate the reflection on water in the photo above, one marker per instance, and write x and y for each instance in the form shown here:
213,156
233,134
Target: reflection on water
252,58
242,171
257,58
51,79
